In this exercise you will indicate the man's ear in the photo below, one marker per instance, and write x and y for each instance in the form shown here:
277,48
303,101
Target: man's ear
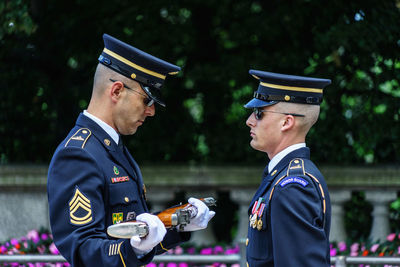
287,123
116,91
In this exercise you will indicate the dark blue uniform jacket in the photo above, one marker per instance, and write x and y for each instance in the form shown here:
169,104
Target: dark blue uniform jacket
93,183
293,227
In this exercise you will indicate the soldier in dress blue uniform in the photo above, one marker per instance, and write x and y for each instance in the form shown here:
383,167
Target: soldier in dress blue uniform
289,215
94,182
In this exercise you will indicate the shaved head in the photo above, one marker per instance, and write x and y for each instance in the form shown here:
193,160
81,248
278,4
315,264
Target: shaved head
102,79
311,113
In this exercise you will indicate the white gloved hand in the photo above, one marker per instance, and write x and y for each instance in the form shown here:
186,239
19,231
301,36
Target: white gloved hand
156,234
204,215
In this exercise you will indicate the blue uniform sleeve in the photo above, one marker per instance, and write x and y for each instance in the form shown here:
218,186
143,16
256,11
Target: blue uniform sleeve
298,237
77,213
172,239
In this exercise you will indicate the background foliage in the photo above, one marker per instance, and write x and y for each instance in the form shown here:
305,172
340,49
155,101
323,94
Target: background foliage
49,51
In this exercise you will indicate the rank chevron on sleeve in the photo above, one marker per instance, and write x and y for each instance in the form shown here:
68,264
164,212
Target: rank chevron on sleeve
80,209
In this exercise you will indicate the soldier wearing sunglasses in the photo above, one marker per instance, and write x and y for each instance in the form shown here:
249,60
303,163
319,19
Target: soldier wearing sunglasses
93,180
289,215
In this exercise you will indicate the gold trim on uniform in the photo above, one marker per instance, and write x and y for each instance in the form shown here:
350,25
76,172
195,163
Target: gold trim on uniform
291,88
163,247
77,137
273,188
133,65
322,191
120,254
107,142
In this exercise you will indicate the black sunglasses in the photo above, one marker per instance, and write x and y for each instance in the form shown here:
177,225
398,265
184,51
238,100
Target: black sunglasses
258,113
148,101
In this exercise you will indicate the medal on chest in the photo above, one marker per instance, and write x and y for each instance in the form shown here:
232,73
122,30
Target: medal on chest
256,214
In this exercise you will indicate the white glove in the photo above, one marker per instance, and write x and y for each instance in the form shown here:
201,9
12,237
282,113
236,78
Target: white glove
204,215
156,234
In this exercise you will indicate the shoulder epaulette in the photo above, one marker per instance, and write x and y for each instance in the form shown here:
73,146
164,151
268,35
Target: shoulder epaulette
296,168
80,138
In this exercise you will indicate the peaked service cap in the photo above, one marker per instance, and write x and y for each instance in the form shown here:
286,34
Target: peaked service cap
135,64
275,87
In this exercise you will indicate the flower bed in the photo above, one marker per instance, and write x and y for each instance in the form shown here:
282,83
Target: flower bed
41,242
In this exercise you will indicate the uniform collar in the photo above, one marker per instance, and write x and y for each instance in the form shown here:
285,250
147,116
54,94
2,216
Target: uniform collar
278,157
107,128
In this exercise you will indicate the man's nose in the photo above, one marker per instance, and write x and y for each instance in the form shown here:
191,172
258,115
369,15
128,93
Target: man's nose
150,111
251,120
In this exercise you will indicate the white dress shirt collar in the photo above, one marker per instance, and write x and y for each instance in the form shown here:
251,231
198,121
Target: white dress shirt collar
278,157
110,130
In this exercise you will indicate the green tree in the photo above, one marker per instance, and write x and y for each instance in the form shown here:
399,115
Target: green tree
49,51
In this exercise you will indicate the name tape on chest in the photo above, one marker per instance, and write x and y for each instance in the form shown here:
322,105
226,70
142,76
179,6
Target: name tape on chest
120,179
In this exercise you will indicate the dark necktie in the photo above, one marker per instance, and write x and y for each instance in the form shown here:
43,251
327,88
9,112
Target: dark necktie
120,145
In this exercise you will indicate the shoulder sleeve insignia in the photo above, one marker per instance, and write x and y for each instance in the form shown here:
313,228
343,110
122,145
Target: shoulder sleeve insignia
290,180
80,209
79,138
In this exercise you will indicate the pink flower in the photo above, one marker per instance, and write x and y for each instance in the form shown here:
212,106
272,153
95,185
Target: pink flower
191,250
178,250
171,264
333,252
374,248
33,235
53,249
44,236
234,250
354,247
342,246
3,249
391,237
183,264
235,265
218,249
151,264
398,250
206,251
41,249
14,242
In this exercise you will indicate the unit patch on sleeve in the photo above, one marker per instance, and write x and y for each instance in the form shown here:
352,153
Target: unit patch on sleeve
290,180
80,209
